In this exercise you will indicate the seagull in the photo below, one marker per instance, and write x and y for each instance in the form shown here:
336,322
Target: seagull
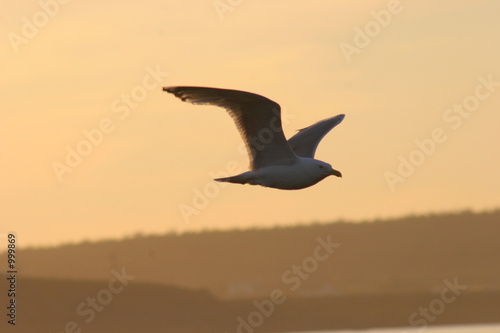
274,161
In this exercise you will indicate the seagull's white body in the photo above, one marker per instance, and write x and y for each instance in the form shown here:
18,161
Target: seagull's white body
303,173
275,162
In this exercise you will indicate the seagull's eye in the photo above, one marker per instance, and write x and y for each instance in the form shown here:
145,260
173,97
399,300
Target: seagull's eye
321,167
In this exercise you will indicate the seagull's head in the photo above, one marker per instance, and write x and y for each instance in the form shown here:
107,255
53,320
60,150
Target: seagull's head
326,169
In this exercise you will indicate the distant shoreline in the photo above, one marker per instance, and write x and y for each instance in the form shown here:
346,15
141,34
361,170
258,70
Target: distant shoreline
372,311
416,271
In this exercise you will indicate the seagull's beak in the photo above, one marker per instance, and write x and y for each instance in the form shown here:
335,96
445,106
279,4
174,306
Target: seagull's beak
336,173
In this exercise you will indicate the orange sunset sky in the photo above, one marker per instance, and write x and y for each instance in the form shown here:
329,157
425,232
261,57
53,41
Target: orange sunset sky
92,148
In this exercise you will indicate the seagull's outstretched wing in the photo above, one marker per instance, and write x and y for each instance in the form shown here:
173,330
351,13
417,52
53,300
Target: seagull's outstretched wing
305,142
258,119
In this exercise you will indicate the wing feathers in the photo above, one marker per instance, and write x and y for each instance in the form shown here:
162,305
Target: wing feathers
305,142
258,119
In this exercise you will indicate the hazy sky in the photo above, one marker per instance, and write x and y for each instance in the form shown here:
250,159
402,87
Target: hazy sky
92,148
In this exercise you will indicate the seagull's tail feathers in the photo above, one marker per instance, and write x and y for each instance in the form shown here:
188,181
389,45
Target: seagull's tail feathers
233,179
244,178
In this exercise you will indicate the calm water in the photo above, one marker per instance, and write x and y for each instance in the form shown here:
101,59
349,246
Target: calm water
487,328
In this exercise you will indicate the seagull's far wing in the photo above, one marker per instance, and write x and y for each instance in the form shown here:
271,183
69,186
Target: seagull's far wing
258,119
305,142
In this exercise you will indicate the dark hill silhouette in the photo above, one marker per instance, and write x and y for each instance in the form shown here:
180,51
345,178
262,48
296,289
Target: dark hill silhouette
408,255
51,305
